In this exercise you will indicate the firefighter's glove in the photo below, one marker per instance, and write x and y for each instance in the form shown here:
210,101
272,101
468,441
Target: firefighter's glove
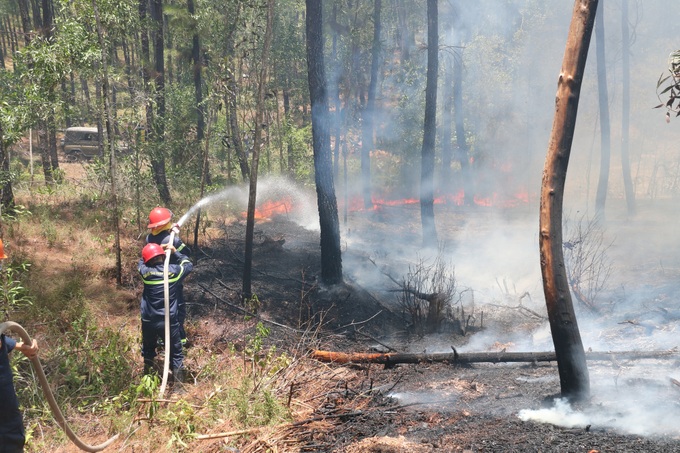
170,247
175,229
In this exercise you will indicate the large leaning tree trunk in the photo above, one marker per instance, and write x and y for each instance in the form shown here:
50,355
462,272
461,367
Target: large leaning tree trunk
571,360
331,258
429,129
605,129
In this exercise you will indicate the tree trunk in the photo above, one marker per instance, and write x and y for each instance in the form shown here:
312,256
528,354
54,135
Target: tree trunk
404,38
257,145
445,181
337,119
52,143
625,110
367,129
603,98
115,215
232,109
25,21
45,153
7,196
429,129
572,366
331,258
461,140
289,142
158,126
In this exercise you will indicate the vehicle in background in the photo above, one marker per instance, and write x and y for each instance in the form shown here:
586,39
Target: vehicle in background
83,143
80,142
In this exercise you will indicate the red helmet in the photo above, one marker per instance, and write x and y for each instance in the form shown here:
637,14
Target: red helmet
159,217
2,251
151,251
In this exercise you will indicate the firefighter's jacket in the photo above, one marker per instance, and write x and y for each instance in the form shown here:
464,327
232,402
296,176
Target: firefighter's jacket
153,296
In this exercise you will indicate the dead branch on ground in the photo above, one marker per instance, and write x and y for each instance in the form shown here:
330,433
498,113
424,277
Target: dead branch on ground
389,359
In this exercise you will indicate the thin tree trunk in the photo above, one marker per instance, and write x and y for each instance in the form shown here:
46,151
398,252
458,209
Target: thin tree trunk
45,153
367,144
571,360
7,196
461,140
110,140
257,145
445,185
603,97
158,127
335,84
404,41
25,21
331,257
289,142
429,130
625,110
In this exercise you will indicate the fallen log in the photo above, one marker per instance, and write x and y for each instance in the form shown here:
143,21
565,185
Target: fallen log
392,358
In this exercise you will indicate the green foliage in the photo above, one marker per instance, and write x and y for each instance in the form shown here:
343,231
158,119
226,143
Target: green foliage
14,295
93,363
300,141
148,388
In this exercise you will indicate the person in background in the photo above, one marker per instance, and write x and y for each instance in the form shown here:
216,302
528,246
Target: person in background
151,269
161,227
12,438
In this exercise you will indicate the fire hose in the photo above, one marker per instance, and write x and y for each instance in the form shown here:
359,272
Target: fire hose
47,391
166,293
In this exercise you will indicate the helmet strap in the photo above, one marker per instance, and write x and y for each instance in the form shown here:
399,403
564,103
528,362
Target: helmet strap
157,230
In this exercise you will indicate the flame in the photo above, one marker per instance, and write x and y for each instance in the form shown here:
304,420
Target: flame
493,199
270,208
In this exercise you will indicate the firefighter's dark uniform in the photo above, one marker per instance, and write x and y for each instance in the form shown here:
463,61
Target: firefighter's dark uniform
161,238
11,423
153,308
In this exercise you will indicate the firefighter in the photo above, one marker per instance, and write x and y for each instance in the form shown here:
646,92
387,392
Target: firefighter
151,269
12,436
160,226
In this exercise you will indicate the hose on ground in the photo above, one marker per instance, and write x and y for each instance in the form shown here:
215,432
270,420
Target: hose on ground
47,391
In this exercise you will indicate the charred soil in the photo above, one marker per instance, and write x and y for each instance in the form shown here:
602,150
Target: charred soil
408,407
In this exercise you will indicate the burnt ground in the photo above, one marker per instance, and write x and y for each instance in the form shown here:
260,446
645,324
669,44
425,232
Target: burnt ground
482,407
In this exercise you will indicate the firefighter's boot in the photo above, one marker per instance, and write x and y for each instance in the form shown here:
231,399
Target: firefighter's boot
179,380
149,367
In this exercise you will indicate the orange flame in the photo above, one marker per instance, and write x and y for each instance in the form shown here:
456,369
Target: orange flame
270,208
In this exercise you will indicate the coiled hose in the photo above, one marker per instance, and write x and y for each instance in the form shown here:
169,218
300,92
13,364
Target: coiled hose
47,391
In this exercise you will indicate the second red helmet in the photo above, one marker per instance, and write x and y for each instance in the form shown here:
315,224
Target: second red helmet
151,251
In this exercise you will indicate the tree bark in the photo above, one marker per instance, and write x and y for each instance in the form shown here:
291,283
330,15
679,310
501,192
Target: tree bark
331,258
429,130
572,366
605,129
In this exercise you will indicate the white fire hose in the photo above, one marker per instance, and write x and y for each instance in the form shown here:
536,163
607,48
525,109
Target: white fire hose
166,293
47,391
